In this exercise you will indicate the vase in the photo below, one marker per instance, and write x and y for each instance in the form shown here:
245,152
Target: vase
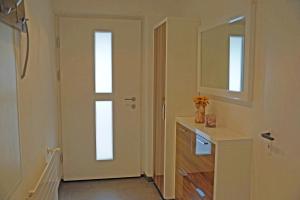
210,121
200,114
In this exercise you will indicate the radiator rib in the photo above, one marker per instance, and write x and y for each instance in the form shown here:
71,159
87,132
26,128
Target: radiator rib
48,183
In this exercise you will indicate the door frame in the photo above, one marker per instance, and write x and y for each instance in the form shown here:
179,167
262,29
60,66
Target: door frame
142,66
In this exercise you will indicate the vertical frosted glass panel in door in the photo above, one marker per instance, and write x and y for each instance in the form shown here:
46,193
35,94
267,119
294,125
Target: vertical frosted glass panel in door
104,130
103,62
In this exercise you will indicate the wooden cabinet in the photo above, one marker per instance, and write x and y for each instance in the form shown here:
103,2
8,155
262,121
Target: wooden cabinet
211,163
175,61
194,173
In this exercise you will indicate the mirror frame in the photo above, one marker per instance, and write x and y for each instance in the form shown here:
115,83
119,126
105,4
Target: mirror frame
244,97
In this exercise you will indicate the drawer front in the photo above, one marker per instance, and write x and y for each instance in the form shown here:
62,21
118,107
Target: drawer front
195,161
187,153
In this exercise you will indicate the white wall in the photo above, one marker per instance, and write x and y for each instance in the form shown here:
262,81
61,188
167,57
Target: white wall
38,96
10,162
276,99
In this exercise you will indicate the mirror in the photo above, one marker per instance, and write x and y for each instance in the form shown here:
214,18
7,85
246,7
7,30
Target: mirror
224,60
222,56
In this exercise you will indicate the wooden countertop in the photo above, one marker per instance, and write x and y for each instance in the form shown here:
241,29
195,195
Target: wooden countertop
214,135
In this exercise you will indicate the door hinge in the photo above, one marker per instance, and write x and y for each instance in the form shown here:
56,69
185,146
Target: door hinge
57,42
61,157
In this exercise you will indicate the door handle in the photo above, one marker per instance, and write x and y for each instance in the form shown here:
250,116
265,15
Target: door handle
133,99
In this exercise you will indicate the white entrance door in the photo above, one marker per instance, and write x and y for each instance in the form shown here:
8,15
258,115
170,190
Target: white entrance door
100,61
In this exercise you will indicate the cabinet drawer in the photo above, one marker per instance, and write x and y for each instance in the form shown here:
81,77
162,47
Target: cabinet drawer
192,186
191,155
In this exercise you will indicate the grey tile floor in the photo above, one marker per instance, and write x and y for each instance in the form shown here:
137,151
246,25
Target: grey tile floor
115,189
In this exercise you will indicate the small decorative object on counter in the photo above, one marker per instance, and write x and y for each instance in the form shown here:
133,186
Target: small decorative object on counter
200,102
210,121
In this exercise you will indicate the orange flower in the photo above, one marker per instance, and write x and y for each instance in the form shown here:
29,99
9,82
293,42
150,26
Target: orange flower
202,100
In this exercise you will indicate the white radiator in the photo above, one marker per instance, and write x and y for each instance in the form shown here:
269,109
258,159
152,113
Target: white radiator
47,186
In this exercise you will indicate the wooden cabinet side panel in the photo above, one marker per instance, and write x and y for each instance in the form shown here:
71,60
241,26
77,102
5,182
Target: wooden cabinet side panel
159,97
